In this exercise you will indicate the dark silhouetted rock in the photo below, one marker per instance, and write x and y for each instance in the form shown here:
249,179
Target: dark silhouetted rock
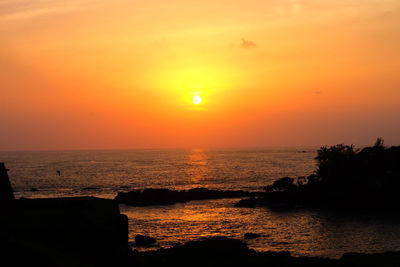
79,231
223,251
377,259
280,184
345,178
150,196
217,246
251,235
143,240
6,192
90,188
248,202
276,254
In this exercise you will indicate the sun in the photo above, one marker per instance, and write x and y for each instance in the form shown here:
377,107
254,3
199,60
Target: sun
196,100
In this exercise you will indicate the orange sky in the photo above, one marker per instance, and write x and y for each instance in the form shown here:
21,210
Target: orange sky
121,74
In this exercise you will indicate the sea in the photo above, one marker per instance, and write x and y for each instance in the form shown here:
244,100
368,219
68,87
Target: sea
303,232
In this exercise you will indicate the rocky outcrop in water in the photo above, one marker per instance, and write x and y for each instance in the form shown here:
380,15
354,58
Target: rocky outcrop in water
223,251
251,235
76,231
143,240
344,178
7,198
148,197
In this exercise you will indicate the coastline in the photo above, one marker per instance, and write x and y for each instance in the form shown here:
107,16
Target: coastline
88,231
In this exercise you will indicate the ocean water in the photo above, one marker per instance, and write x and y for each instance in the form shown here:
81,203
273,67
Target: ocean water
302,231
104,173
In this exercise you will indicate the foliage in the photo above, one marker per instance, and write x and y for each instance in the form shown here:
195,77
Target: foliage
335,163
280,184
344,170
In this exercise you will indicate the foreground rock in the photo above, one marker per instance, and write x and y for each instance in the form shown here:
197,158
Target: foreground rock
143,240
7,199
345,177
78,231
251,235
148,197
83,231
223,251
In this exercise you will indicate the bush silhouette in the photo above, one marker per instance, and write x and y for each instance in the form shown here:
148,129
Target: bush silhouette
344,175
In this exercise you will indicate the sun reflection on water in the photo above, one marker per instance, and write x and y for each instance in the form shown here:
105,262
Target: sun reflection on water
197,165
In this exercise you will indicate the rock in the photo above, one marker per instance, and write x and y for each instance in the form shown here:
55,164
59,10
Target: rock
150,196
7,198
251,235
223,251
123,229
280,184
345,178
143,240
89,188
214,246
247,202
277,254
390,258
75,231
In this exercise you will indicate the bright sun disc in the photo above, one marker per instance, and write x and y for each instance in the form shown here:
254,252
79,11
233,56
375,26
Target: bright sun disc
196,100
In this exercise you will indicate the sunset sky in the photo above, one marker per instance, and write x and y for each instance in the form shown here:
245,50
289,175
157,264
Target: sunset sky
91,74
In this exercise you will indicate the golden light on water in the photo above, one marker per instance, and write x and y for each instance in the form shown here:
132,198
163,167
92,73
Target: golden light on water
197,165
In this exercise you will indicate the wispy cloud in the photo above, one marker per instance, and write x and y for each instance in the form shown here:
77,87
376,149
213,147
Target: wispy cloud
247,44
23,9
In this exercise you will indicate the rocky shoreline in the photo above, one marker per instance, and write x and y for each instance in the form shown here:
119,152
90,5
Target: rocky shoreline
223,251
75,231
72,231
88,231
150,196
345,178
